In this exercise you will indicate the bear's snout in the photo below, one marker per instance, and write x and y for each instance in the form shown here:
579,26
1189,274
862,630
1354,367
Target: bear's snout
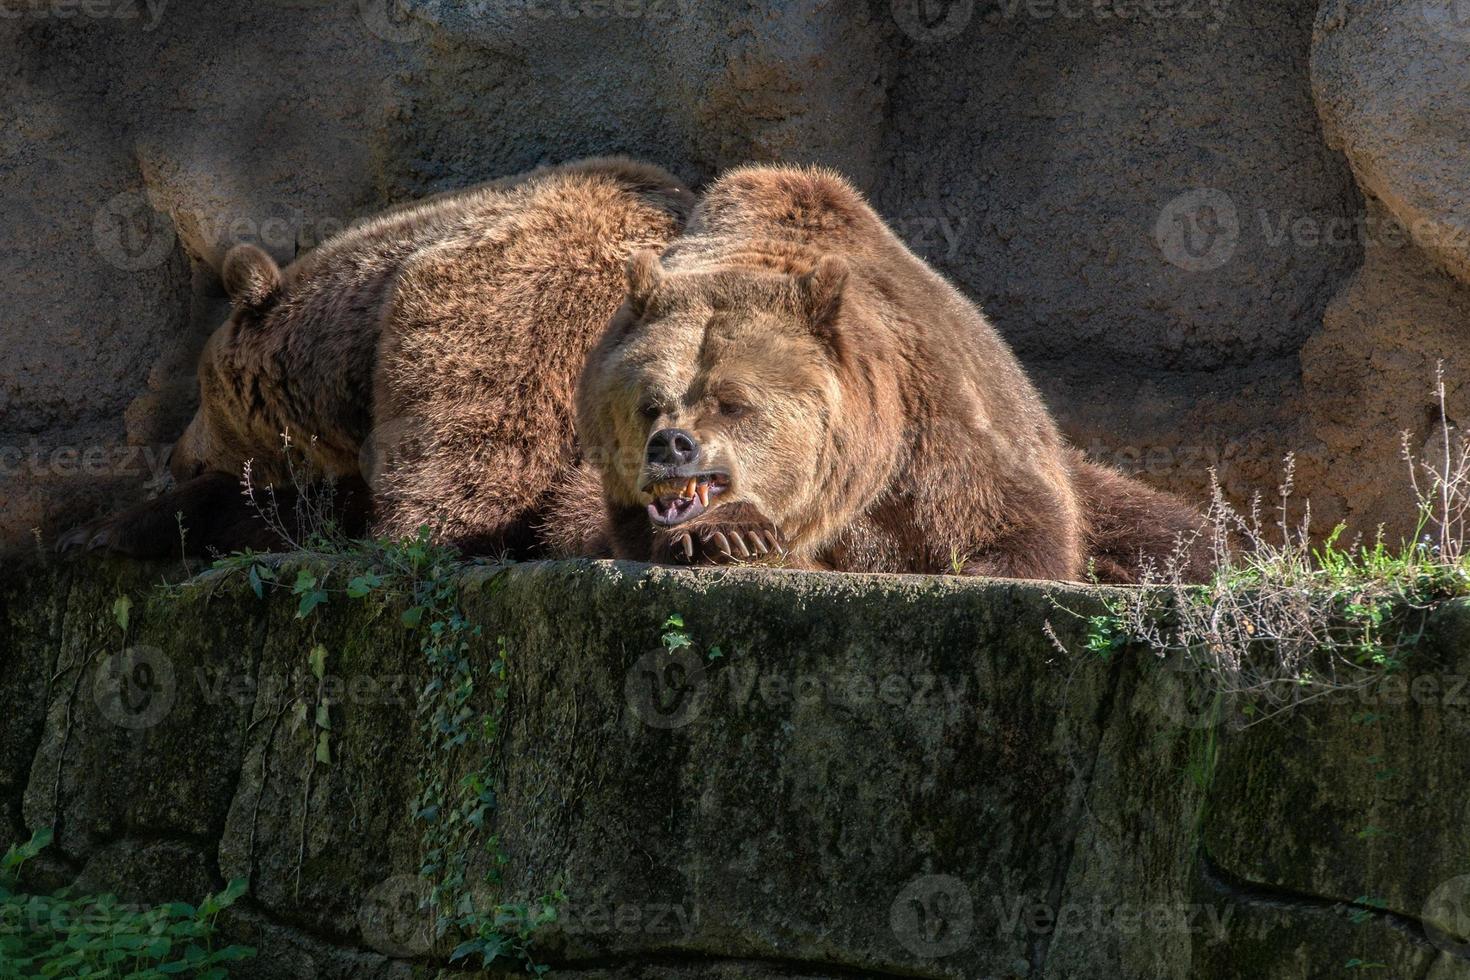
673,448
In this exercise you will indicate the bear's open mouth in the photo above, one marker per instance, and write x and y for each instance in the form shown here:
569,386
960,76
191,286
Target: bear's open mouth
676,501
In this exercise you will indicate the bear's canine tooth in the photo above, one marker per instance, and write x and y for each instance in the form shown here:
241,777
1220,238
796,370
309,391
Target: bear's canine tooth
702,491
689,487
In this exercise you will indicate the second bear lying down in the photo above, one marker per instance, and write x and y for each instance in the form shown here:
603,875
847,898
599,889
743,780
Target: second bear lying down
789,376
425,357
789,380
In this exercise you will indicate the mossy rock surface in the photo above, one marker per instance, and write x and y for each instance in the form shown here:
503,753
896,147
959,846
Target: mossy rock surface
876,775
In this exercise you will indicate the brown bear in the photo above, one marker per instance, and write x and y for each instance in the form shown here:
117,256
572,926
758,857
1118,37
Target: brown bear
790,378
424,359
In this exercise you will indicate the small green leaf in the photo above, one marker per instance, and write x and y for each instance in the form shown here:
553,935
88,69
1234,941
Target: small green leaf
412,617
230,953
121,606
318,660
363,584
309,601
40,840
466,948
324,749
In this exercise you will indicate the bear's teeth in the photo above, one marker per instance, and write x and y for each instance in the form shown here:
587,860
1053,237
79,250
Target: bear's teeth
702,491
689,488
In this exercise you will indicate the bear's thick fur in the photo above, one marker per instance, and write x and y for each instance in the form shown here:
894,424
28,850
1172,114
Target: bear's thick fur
790,376
429,352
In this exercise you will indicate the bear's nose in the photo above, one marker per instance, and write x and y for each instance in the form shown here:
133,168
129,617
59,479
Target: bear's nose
673,447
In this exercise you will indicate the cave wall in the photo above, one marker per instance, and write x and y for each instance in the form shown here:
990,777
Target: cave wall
1216,232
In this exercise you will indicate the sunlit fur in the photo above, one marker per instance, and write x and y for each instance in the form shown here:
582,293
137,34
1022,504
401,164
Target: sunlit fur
888,427
438,342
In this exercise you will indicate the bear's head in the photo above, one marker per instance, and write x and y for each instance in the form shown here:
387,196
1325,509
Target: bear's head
224,431
716,387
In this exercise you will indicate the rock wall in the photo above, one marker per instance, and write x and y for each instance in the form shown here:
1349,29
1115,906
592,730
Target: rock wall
878,776
1141,195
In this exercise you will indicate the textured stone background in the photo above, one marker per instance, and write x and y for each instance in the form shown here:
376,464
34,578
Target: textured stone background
1154,201
881,776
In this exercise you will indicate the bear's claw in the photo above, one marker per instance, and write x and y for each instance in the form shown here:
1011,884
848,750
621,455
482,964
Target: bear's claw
92,536
738,538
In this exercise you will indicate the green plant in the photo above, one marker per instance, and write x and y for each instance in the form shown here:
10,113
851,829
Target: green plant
675,638
460,711
67,935
1283,621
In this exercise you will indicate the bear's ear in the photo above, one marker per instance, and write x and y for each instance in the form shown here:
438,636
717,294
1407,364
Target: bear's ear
821,292
251,277
644,275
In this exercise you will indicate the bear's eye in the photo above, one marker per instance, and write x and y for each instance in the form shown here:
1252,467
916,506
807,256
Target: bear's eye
733,410
649,411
